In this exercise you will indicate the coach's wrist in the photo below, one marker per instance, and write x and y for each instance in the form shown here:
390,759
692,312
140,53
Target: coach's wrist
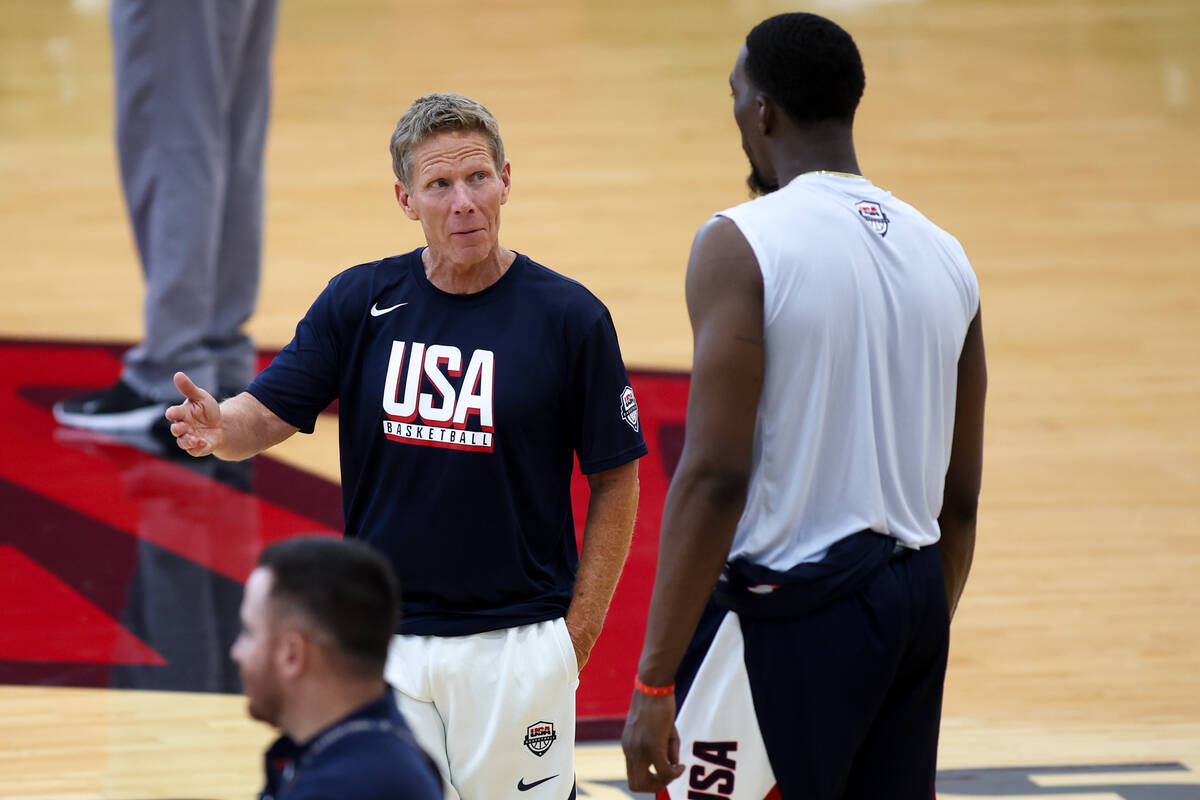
582,640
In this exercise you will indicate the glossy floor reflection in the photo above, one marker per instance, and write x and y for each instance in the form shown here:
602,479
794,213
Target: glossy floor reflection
123,557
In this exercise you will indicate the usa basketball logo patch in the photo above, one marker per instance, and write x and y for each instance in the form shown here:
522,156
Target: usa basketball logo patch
539,736
629,409
427,399
873,215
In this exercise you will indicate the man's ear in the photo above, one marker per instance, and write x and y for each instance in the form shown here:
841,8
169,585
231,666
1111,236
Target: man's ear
403,198
766,115
506,179
292,654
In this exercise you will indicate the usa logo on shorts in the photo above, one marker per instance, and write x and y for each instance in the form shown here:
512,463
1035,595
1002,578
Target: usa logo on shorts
539,736
873,214
629,410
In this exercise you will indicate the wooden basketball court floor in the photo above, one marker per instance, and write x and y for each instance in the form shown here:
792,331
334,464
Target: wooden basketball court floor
1056,138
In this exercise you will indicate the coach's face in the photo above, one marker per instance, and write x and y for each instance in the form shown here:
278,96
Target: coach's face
753,116
456,194
256,649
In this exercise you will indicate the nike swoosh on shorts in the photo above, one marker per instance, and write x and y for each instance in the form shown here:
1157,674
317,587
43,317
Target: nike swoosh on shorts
522,786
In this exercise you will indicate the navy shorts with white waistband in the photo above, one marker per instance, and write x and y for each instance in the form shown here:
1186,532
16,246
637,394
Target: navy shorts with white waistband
846,686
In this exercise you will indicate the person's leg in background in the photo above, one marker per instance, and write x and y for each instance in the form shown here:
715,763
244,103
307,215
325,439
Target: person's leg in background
178,92
239,256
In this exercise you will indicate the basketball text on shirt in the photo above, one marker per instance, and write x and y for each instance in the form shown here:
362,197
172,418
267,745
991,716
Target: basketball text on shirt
440,417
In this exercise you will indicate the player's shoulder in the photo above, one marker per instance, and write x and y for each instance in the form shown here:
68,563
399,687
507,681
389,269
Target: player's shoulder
797,205
953,255
948,240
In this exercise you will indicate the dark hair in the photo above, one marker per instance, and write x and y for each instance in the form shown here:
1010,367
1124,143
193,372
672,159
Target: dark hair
344,588
806,64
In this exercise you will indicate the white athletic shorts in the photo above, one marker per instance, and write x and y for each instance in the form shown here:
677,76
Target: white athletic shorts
495,710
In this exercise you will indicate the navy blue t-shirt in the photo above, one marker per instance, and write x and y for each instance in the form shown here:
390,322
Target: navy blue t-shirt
460,419
370,754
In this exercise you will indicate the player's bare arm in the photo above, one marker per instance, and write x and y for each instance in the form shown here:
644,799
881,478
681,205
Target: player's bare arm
708,491
612,507
233,430
960,497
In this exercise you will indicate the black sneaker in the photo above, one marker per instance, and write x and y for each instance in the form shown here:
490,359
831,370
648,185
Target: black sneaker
120,407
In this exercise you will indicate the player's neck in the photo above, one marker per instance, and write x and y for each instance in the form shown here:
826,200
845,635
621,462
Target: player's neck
466,278
320,705
814,149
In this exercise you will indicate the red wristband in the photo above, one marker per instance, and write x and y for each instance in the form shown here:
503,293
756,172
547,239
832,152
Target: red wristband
653,691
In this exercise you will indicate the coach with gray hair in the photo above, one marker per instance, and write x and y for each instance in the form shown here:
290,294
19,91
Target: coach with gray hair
469,378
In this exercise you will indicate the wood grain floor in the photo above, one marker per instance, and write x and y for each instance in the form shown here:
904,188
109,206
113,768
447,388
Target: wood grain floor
1057,140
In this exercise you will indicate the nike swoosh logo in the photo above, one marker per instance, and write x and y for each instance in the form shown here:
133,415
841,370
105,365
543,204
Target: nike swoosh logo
376,311
522,786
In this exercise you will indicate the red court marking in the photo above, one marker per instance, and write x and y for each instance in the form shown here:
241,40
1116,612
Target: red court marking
145,496
49,621
225,529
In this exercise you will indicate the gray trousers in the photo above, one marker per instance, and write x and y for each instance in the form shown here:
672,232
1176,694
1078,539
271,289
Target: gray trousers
193,88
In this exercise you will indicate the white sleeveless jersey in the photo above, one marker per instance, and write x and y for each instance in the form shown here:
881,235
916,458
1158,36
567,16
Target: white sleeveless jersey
866,304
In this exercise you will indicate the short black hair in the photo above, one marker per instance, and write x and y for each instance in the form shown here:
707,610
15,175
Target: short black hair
808,65
344,588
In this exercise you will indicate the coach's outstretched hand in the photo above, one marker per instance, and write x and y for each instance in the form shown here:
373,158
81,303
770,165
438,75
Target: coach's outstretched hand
196,422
